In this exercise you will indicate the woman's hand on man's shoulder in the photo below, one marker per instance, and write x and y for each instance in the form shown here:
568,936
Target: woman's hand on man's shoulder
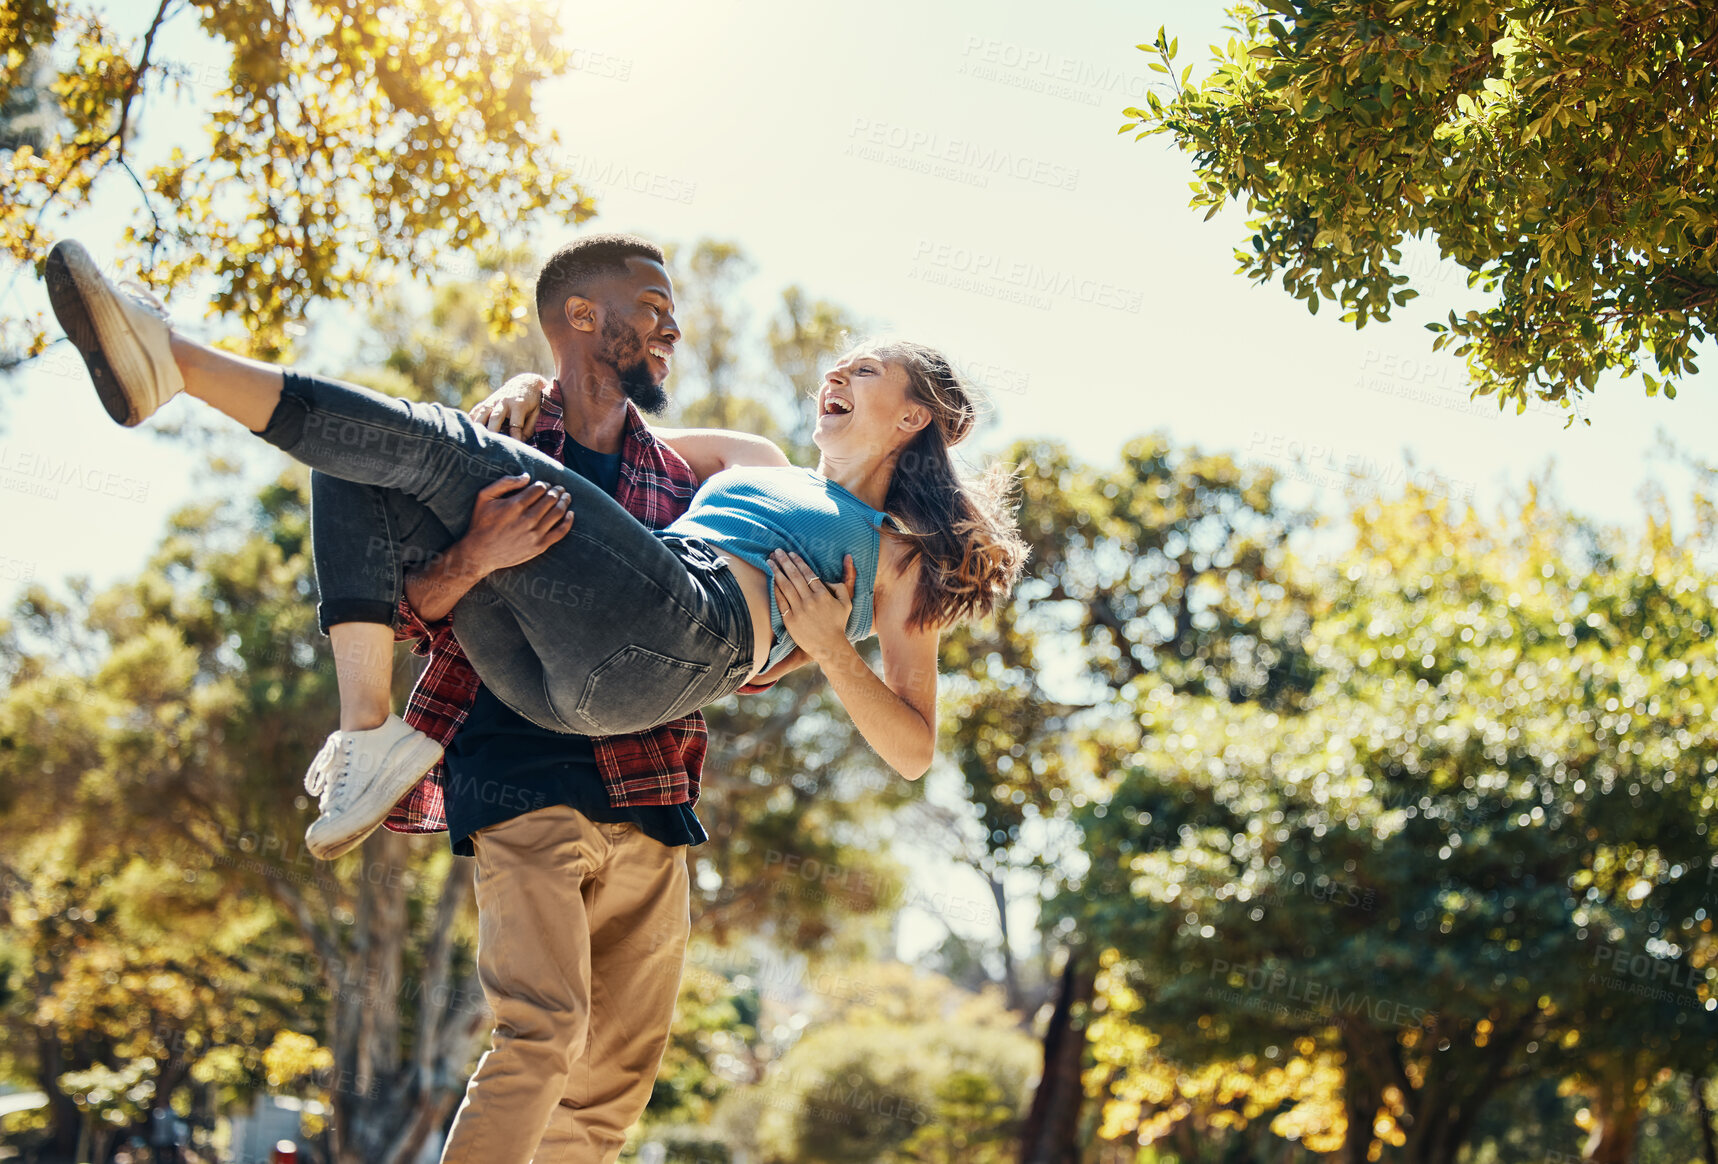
512,408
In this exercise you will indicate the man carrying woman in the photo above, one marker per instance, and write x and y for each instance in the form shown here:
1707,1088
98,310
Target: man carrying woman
663,621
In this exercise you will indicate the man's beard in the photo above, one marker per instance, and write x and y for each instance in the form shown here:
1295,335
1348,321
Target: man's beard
623,351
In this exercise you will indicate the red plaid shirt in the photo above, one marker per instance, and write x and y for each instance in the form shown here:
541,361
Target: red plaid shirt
660,766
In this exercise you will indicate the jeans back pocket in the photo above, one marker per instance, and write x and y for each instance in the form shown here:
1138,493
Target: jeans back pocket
636,689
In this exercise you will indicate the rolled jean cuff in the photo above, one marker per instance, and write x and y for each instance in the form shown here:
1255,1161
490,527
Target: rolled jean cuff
285,428
334,611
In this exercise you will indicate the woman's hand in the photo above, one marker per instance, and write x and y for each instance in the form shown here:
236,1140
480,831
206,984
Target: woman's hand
512,409
815,612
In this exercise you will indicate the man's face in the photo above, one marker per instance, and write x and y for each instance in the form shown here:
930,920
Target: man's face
638,331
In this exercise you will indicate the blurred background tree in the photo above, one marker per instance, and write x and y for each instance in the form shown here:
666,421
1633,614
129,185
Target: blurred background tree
1386,852
1477,857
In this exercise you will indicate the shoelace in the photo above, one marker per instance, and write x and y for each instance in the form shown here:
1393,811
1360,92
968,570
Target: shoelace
316,781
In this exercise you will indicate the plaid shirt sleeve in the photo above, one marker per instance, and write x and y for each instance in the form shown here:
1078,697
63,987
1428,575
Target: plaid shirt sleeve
658,767
413,627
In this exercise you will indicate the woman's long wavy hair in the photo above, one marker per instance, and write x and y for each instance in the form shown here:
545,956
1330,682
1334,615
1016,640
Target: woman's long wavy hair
961,530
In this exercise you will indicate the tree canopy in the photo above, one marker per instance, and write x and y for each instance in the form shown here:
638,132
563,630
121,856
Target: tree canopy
1478,856
1563,154
339,140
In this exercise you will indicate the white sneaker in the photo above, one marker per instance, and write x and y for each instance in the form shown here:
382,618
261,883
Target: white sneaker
360,776
122,334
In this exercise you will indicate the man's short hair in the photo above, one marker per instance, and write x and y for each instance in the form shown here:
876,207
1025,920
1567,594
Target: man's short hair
575,265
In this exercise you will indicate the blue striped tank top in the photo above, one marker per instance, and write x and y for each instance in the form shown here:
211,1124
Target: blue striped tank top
750,512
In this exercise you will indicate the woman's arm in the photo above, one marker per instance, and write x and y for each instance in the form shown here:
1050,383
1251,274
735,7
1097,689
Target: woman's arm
897,714
710,450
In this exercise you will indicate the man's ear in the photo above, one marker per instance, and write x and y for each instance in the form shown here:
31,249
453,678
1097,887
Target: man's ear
581,313
916,418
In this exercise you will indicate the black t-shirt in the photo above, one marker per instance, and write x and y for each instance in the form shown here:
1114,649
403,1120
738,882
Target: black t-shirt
500,765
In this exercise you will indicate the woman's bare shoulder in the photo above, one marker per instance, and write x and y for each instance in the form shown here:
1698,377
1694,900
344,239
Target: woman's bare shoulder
897,565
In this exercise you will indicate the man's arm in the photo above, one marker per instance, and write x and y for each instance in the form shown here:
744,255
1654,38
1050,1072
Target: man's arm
514,520
710,450
512,409
793,660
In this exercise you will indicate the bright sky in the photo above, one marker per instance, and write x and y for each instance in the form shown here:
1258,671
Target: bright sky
907,159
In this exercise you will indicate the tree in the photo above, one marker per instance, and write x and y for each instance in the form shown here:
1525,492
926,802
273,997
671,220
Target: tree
707,280
343,141
1161,569
181,709
1475,860
805,338
917,1072
1560,153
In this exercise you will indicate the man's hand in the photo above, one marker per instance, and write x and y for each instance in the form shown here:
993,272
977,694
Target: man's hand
815,612
514,520
512,409
764,680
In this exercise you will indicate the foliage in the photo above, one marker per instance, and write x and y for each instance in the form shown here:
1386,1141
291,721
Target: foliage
1561,154
451,349
1479,855
341,140
1163,565
924,1073
156,733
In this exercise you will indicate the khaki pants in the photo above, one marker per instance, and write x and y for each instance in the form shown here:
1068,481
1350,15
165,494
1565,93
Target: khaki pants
581,939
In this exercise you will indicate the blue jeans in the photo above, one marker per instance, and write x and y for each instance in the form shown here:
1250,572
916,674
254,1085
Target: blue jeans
612,630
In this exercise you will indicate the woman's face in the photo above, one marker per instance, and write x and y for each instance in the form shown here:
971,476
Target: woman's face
865,407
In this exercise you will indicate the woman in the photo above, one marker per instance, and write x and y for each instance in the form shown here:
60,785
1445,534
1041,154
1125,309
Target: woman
662,623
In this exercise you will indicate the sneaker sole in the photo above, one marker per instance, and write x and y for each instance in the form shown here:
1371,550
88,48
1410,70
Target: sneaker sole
366,814
85,317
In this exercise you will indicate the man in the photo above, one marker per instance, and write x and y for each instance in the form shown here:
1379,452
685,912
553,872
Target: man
583,894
